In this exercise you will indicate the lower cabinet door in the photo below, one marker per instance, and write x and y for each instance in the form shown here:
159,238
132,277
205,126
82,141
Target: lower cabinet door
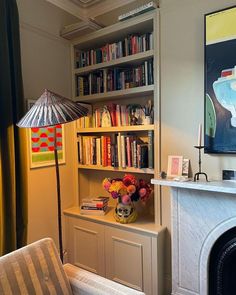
86,245
128,258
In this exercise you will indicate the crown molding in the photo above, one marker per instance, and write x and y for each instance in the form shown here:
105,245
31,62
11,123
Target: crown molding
86,9
107,5
79,29
85,3
42,32
71,8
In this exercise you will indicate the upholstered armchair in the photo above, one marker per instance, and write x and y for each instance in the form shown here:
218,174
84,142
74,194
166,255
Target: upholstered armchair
37,270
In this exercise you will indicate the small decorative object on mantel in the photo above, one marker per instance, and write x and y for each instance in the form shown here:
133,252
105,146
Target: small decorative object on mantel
162,174
175,166
178,169
199,146
127,190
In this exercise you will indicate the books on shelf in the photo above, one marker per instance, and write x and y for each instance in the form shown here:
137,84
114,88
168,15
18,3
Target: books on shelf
85,122
120,115
131,44
150,149
118,150
96,206
94,212
116,78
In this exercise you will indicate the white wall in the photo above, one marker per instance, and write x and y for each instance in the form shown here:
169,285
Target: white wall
46,64
182,87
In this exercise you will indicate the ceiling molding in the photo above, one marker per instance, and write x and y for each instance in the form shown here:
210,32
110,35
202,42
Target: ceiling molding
106,6
71,8
79,29
85,3
79,8
42,32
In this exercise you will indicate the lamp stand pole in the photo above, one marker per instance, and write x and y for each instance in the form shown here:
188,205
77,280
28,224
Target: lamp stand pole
58,195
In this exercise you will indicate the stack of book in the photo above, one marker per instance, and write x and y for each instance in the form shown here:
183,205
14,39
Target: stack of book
97,206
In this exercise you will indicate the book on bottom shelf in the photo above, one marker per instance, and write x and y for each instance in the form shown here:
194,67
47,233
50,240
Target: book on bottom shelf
100,201
96,206
93,211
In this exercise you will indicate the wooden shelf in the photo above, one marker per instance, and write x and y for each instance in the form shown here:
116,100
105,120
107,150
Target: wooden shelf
130,59
118,31
142,224
125,93
116,129
117,169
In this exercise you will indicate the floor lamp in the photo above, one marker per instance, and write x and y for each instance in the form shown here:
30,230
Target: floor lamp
52,109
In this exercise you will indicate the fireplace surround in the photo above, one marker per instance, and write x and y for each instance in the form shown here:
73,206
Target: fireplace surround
203,217
222,265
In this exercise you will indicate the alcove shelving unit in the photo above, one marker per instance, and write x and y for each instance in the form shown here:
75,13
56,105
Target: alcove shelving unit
98,243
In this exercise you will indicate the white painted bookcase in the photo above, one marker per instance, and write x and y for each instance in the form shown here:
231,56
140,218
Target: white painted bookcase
130,254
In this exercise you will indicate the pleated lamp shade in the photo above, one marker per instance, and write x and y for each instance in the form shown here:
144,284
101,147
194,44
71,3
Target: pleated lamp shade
52,109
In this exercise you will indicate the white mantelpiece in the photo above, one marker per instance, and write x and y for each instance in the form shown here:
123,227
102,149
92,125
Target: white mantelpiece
201,212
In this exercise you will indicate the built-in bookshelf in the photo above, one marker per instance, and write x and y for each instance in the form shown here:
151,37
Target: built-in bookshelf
115,74
116,70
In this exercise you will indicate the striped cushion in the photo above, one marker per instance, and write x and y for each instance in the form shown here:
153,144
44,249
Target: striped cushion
33,270
87,283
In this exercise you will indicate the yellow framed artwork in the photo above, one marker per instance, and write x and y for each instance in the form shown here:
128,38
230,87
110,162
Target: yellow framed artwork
41,144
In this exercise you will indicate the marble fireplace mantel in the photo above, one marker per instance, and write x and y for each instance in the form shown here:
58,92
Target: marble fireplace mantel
200,213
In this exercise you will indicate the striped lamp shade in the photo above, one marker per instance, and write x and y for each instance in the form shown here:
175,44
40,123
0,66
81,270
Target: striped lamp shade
52,109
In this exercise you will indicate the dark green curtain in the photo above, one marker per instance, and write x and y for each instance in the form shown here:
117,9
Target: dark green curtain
13,169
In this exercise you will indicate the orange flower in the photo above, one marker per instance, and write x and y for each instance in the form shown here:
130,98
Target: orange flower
131,189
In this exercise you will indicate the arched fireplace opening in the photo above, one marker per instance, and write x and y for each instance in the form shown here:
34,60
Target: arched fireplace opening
222,265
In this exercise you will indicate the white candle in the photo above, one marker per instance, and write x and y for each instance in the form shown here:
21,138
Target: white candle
199,142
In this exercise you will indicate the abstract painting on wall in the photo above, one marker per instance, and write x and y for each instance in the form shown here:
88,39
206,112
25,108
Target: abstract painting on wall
220,81
42,144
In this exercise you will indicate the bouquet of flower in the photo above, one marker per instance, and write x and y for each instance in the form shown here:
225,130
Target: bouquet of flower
128,189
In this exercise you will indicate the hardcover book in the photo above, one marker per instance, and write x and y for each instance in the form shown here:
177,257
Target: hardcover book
150,150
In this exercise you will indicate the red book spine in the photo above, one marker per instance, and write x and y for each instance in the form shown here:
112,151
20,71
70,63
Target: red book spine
104,151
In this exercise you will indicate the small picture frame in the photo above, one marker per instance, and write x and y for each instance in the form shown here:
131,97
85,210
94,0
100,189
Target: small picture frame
175,166
186,164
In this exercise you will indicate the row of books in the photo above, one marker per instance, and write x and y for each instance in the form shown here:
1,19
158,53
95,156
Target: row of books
119,115
115,79
132,44
116,151
95,206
